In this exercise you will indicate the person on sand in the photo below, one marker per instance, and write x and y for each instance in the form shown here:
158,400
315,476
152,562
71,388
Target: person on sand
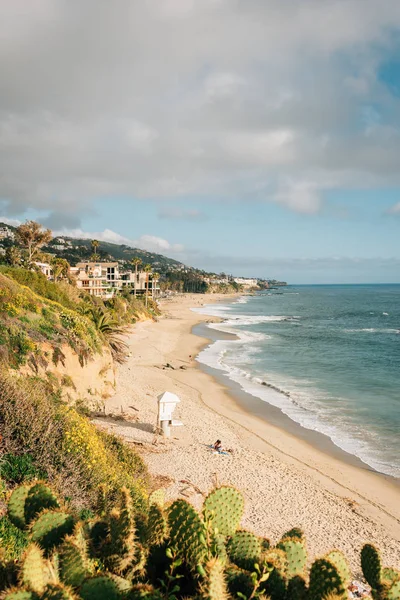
218,445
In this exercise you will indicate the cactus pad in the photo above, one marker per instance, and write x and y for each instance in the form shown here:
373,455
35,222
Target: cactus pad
224,507
244,549
296,589
100,588
338,559
187,532
325,580
394,591
50,528
239,582
20,595
296,555
156,526
16,506
71,564
144,591
57,592
389,574
157,497
40,497
214,584
371,565
296,532
33,571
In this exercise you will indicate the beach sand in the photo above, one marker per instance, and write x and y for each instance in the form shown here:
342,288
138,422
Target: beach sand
286,481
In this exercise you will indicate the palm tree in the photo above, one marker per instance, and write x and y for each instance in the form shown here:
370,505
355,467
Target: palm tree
155,277
136,262
60,268
95,244
111,331
147,270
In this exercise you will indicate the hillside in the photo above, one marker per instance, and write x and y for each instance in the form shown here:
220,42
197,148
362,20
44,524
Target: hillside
79,249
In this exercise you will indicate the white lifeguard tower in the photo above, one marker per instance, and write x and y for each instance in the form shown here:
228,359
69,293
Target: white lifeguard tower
166,405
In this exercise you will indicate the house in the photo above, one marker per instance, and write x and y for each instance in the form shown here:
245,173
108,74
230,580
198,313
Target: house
45,268
104,279
6,233
246,282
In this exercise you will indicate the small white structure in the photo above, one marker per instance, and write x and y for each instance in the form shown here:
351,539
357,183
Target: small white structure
166,406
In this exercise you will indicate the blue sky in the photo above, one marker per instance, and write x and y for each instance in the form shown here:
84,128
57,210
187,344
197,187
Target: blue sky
256,138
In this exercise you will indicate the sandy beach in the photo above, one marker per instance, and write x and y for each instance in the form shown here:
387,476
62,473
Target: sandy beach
286,481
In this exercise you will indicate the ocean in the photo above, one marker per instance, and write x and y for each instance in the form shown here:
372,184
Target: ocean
327,356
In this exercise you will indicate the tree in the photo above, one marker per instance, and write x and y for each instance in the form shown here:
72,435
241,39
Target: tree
155,277
60,268
32,236
136,262
95,244
13,256
147,270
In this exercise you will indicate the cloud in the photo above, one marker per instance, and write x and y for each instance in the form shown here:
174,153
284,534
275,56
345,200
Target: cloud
181,213
145,242
394,210
160,100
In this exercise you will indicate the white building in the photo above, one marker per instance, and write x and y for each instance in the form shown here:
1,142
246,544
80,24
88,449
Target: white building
104,279
6,233
45,268
246,282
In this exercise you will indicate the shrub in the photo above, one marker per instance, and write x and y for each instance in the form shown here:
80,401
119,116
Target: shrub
16,468
13,541
73,453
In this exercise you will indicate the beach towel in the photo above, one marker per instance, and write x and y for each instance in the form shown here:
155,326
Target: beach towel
218,451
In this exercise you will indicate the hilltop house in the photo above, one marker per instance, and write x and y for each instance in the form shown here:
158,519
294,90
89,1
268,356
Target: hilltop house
104,279
247,283
6,233
45,268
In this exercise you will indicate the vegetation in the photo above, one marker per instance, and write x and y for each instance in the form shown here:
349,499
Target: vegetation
32,237
62,445
169,553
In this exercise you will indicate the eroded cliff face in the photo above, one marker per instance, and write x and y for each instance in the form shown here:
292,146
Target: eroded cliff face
92,380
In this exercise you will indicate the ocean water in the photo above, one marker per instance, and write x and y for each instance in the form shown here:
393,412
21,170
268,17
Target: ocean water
326,356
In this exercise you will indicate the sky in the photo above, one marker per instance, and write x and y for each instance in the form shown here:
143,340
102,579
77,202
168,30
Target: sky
255,137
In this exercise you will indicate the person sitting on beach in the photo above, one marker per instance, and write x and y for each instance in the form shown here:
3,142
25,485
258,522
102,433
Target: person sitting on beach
218,445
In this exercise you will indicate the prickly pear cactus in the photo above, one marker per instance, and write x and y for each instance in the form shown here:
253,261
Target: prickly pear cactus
338,559
296,555
143,591
16,506
18,594
389,574
239,582
218,548
100,588
157,497
371,565
214,584
72,565
244,549
50,528
122,535
224,508
187,532
296,589
40,497
394,591
34,573
325,580
295,532
58,592
157,526
101,501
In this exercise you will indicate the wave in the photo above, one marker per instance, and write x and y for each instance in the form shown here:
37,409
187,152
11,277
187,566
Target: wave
296,399
372,330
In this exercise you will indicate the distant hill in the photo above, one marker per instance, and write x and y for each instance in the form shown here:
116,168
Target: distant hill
78,249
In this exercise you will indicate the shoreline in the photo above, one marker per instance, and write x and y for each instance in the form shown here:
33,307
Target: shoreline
273,415
286,481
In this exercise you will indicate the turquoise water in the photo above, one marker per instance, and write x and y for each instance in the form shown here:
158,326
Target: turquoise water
330,356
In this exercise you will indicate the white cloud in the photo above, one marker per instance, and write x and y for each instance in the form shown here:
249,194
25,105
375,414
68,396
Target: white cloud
300,196
151,243
165,99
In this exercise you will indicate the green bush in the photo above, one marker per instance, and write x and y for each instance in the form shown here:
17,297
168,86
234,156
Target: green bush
13,541
17,468
74,454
